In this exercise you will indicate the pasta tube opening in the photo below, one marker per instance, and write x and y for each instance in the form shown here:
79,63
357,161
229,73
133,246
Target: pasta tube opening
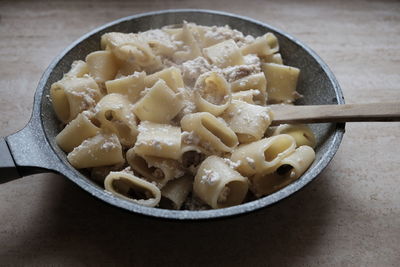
167,203
109,115
140,165
218,185
212,93
124,131
231,194
214,90
284,170
125,187
114,113
273,151
132,188
71,95
192,158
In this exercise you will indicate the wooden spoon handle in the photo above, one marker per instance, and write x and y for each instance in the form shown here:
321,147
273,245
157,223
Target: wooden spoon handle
336,113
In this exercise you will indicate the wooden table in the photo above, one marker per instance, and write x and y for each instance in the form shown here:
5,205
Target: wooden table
349,216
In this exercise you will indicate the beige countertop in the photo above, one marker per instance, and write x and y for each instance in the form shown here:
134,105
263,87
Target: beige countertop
349,216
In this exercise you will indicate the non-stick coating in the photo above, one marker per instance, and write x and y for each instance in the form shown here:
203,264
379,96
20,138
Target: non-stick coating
317,84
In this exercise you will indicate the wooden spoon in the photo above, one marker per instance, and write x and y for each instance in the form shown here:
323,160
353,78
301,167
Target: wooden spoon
336,113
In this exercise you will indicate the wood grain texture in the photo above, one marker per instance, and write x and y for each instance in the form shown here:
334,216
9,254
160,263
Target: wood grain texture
372,112
350,216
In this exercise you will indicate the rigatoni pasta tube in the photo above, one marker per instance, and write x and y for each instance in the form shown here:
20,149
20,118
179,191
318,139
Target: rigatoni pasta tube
171,169
159,41
158,140
209,36
132,188
129,47
213,133
192,49
78,69
252,82
172,77
160,104
248,121
263,156
100,150
219,185
76,132
246,96
102,66
262,46
274,58
138,52
192,156
131,86
71,95
212,93
175,192
300,132
154,169
224,54
140,167
115,114
281,82
111,40
290,168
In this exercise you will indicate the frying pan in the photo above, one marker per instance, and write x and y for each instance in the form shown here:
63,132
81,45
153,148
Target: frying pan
33,149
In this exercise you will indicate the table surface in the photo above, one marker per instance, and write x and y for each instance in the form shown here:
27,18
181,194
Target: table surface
349,216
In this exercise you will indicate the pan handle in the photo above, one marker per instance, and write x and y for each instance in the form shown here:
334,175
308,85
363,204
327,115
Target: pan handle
27,152
8,169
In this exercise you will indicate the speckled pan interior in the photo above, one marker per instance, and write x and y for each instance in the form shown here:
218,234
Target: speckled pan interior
317,84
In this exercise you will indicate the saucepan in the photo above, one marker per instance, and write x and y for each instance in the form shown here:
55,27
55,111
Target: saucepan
33,149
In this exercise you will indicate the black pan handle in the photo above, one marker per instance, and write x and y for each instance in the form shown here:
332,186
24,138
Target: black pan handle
8,169
27,152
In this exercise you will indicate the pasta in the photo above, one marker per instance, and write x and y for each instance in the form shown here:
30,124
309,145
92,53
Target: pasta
78,130
264,155
172,77
265,45
214,134
72,95
219,185
176,192
115,115
224,54
289,169
248,121
158,140
130,86
282,81
78,69
160,104
179,117
132,188
212,93
301,133
102,65
191,49
255,82
100,150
